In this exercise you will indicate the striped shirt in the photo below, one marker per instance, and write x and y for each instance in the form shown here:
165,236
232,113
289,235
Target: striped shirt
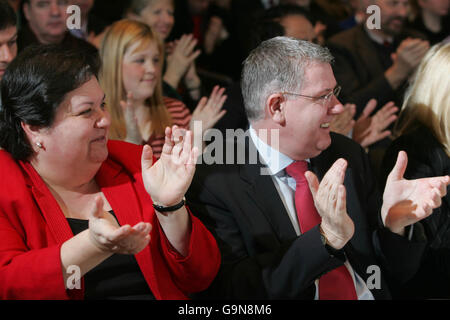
181,116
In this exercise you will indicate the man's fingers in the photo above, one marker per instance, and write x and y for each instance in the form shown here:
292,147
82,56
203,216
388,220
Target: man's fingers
336,173
342,199
313,182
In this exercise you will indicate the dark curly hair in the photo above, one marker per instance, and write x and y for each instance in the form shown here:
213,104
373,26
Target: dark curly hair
33,87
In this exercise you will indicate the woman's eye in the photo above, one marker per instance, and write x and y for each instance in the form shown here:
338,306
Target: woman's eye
139,61
87,111
103,105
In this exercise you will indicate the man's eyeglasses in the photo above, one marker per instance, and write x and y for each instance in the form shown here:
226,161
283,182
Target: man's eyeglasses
321,99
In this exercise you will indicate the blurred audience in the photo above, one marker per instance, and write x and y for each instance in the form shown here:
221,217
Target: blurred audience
131,78
92,27
431,17
377,62
47,24
8,38
423,131
180,73
214,29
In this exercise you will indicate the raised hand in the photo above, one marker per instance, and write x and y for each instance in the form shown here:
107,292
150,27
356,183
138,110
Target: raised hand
168,179
108,236
407,57
330,201
343,122
209,110
131,123
406,202
180,59
367,129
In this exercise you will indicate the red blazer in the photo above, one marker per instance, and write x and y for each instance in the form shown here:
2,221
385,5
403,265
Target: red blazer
33,228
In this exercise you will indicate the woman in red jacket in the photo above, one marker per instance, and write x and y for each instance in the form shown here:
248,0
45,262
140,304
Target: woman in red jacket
81,217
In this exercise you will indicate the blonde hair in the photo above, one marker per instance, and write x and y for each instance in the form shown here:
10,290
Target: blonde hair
118,39
427,100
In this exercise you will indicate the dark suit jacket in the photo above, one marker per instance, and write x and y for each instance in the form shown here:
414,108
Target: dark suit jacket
358,68
426,158
263,258
26,37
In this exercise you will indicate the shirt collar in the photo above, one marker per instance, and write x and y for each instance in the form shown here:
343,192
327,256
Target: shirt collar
377,38
274,159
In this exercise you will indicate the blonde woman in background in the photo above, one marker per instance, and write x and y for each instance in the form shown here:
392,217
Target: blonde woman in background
132,55
181,54
423,131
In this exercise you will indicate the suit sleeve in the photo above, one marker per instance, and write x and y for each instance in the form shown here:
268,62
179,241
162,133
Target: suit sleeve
287,271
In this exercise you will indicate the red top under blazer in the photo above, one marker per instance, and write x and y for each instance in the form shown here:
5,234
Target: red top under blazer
33,228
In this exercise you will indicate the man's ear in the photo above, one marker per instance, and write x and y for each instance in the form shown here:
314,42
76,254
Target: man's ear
26,11
275,108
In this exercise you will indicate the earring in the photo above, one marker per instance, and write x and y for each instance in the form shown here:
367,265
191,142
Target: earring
39,145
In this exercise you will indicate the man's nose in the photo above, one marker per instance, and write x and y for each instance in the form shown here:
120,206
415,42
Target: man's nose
6,54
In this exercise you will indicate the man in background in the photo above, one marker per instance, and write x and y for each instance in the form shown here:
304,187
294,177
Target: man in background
8,37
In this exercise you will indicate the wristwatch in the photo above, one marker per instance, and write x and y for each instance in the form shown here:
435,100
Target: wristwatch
332,251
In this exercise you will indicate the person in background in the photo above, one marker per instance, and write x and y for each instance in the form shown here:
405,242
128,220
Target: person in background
72,200
92,27
180,55
47,24
215,31
432,19
376,62
423,131
131,77
8,38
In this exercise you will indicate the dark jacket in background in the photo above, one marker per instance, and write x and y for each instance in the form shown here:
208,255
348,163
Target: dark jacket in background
426,158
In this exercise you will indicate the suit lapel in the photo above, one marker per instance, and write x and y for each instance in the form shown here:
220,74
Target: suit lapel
49,207
262,191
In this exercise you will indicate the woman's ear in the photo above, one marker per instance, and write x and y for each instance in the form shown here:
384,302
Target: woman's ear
275,108
34,134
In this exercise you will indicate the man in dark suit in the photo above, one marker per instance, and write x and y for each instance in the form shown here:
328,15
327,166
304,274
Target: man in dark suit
375,61
281,239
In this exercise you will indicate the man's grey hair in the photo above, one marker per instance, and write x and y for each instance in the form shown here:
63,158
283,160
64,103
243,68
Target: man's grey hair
277,65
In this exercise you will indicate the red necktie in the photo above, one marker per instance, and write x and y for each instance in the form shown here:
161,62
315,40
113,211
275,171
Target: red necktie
338,283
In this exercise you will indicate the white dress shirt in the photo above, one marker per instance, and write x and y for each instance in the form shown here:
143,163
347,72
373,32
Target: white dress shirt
285,185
